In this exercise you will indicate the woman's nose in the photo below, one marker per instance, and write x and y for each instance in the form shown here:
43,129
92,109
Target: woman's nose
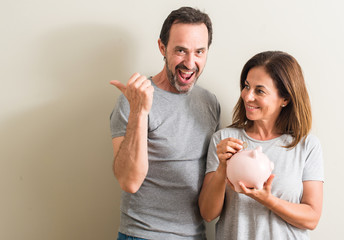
247,95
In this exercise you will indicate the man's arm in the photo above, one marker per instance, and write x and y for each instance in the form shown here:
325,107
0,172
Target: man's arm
130,152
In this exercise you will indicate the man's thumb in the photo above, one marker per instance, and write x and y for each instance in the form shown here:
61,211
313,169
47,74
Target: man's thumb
119,85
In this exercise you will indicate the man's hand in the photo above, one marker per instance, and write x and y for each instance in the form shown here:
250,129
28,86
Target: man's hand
138,91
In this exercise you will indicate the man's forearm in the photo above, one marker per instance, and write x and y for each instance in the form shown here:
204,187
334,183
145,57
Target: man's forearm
131,161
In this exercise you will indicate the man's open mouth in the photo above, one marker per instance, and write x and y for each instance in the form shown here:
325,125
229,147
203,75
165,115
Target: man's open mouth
185,75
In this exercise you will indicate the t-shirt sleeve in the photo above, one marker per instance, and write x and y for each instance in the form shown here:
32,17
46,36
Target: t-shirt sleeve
313,170
119,117
212,159
218,115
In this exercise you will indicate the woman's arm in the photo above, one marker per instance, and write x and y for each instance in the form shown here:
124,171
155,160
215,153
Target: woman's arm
213,190
213,194
304,215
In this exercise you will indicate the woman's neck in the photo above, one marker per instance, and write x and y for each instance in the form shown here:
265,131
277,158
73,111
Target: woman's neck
263,131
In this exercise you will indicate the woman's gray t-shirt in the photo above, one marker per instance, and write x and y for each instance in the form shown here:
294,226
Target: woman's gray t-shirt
243,218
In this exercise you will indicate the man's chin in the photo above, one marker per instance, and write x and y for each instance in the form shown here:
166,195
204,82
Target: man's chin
185,88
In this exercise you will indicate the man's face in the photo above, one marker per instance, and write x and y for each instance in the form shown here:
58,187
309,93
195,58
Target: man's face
186,55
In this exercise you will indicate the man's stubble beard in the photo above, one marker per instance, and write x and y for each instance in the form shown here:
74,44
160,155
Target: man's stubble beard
173,77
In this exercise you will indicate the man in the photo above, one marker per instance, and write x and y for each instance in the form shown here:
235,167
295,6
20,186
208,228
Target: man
161,129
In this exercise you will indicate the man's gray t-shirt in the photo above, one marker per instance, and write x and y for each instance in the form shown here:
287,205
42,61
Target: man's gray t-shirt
243,218
179,130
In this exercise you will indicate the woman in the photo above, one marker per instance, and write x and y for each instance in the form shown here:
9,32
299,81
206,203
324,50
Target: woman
273,112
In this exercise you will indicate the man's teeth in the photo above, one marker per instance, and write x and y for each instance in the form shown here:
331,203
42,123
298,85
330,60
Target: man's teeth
186,75
186,72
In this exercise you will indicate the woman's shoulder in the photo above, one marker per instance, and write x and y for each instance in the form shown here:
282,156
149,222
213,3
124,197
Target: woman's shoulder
310,142
311,139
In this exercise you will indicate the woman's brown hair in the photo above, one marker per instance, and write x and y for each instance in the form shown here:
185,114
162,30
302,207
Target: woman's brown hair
295,118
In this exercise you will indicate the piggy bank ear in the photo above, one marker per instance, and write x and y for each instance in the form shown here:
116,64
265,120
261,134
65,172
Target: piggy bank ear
272,166
254,154
259,149
256,151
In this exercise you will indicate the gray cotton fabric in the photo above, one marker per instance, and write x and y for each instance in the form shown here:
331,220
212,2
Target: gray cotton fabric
180,127
243,218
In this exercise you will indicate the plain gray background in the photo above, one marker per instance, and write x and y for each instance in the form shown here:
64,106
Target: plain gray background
57,58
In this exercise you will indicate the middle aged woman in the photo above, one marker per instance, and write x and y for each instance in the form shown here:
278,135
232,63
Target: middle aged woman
273,112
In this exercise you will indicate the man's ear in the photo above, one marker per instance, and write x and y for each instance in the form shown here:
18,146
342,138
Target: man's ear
162,47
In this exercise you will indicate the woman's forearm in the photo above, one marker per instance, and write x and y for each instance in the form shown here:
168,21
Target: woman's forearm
213,193
304,215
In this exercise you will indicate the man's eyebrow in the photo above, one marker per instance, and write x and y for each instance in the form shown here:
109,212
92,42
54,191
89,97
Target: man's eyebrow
180,48
202,49
184,48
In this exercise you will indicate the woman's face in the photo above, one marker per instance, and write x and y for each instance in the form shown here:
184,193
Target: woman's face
261,97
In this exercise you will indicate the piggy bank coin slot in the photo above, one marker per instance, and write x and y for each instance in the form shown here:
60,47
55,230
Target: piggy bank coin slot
244,145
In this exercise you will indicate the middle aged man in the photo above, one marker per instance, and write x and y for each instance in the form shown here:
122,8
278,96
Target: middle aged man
161,128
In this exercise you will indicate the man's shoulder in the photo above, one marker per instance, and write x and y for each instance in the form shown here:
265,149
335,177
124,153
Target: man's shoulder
201,89
204,92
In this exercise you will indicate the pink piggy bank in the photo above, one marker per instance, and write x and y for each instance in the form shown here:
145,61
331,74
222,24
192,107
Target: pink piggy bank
251,167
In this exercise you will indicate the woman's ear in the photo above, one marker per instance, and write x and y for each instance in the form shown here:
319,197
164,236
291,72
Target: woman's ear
285,102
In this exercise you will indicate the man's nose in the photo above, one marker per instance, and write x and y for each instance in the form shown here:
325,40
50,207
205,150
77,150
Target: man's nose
189,61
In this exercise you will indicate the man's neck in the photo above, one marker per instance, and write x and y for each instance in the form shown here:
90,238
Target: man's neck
162,82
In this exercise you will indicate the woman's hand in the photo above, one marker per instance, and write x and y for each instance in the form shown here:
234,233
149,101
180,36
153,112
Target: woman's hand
227,147
263,195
